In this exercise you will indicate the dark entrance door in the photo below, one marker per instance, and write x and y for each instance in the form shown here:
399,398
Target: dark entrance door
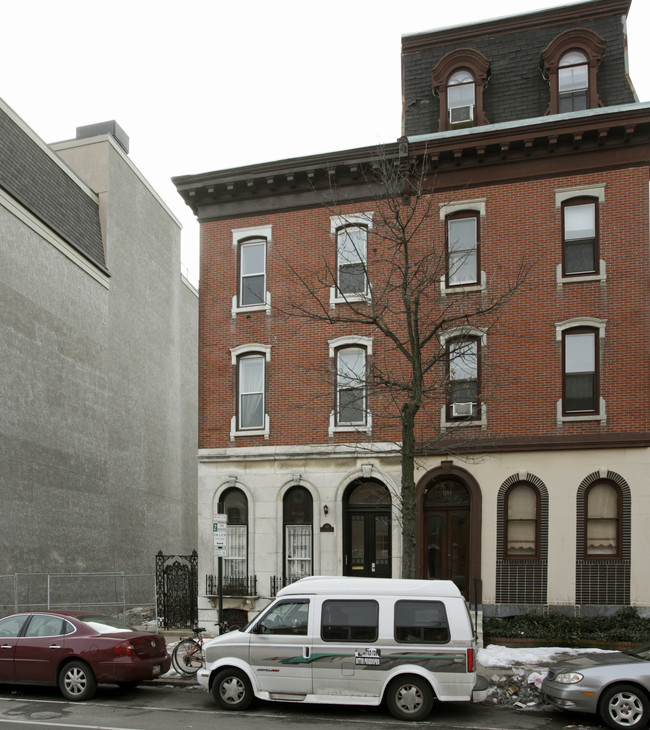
446,541
367,545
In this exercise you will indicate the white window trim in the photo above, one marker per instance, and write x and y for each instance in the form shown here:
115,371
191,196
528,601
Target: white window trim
238,234
470,331
579,191
568,324
350,219
444,289
235,354
562,280
350,428
477,205
601,416
448,425
350,341
336,222
334,345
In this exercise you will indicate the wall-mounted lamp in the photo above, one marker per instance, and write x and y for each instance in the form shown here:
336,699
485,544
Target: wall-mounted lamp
326,509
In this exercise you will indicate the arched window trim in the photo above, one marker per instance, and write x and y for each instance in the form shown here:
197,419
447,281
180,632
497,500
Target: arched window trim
462,59
577,39
598,332
297,537
347,425
237,355
457,215
241,236
236,560
577,201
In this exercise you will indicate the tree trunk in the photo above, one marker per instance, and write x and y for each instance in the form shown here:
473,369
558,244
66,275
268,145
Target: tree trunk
408,492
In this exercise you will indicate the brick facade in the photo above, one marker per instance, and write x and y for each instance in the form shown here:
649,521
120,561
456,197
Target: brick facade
514,174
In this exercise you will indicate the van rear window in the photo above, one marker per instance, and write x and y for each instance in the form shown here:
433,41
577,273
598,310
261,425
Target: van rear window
421,622
349,620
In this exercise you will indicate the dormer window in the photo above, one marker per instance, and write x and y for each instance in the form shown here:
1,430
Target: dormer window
459,81
571,63
460,98
573,82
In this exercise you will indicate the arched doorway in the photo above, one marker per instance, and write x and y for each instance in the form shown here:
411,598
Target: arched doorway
449,529
446,531
367,530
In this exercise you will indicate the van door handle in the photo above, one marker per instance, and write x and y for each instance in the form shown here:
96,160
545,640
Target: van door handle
305,652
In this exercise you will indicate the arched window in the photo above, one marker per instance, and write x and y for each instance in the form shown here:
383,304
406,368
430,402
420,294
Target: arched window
602,521
252,272
573,82
522,522
234,505
580,376
297,518
351,386
461,98
463,355
251,391
463,264
459,81
351,260
571,63
580,236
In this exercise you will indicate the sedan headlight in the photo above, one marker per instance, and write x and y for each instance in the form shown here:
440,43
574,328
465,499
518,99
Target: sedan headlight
569,677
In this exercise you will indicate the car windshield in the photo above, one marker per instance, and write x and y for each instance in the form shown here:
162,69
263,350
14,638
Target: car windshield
643,651
105,624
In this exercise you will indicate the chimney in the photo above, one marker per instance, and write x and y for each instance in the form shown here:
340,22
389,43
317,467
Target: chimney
112,128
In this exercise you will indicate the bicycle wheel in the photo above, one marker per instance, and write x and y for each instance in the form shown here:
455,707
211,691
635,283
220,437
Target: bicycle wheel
187,657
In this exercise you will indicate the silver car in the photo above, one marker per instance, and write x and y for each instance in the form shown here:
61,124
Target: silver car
615,685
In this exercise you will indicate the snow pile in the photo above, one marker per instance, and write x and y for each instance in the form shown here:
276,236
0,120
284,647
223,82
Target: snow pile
516,675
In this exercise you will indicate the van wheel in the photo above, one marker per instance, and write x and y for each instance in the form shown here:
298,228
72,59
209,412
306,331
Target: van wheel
409,698
231,690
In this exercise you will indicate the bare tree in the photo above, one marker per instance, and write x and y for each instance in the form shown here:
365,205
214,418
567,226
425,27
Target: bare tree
390,284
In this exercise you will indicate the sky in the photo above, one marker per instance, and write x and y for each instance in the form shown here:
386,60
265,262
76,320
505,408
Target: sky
213,84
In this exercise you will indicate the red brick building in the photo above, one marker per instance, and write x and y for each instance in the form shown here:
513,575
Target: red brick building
531,481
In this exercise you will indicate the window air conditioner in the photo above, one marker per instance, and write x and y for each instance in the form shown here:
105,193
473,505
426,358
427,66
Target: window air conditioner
462,409
460,114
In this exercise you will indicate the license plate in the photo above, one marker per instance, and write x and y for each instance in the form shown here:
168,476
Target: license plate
156,668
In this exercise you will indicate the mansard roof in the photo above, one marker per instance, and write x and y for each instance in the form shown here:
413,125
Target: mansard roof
516,86
35,177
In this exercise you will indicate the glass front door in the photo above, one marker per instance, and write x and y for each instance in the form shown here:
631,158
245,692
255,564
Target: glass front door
367,536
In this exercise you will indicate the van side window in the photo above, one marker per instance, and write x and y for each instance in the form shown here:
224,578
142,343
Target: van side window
288,617
350,621
421,622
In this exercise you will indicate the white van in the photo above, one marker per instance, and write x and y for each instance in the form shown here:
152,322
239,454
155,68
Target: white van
352,641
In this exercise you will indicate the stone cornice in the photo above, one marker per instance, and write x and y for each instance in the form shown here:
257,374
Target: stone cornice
563,143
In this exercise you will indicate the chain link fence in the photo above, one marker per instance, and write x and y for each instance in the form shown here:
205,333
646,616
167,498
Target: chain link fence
127,596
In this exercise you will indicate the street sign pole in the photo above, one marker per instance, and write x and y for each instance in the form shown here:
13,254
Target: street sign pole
220,531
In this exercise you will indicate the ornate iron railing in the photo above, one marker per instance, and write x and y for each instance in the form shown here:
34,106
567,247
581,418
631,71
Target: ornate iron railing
245,585
177,589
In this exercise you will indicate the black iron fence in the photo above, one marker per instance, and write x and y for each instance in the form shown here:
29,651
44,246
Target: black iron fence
177,588
245,585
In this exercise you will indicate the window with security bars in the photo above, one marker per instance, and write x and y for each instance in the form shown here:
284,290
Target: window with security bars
299,551
234,563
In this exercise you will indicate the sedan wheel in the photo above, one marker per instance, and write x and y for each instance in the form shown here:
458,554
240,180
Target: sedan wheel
624,706
77,681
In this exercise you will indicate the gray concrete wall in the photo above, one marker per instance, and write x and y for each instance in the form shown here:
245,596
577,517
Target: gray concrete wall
97,384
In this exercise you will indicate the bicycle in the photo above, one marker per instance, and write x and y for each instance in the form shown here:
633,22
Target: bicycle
187,656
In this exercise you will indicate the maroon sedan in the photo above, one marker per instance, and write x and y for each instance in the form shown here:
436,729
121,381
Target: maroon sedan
76,650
